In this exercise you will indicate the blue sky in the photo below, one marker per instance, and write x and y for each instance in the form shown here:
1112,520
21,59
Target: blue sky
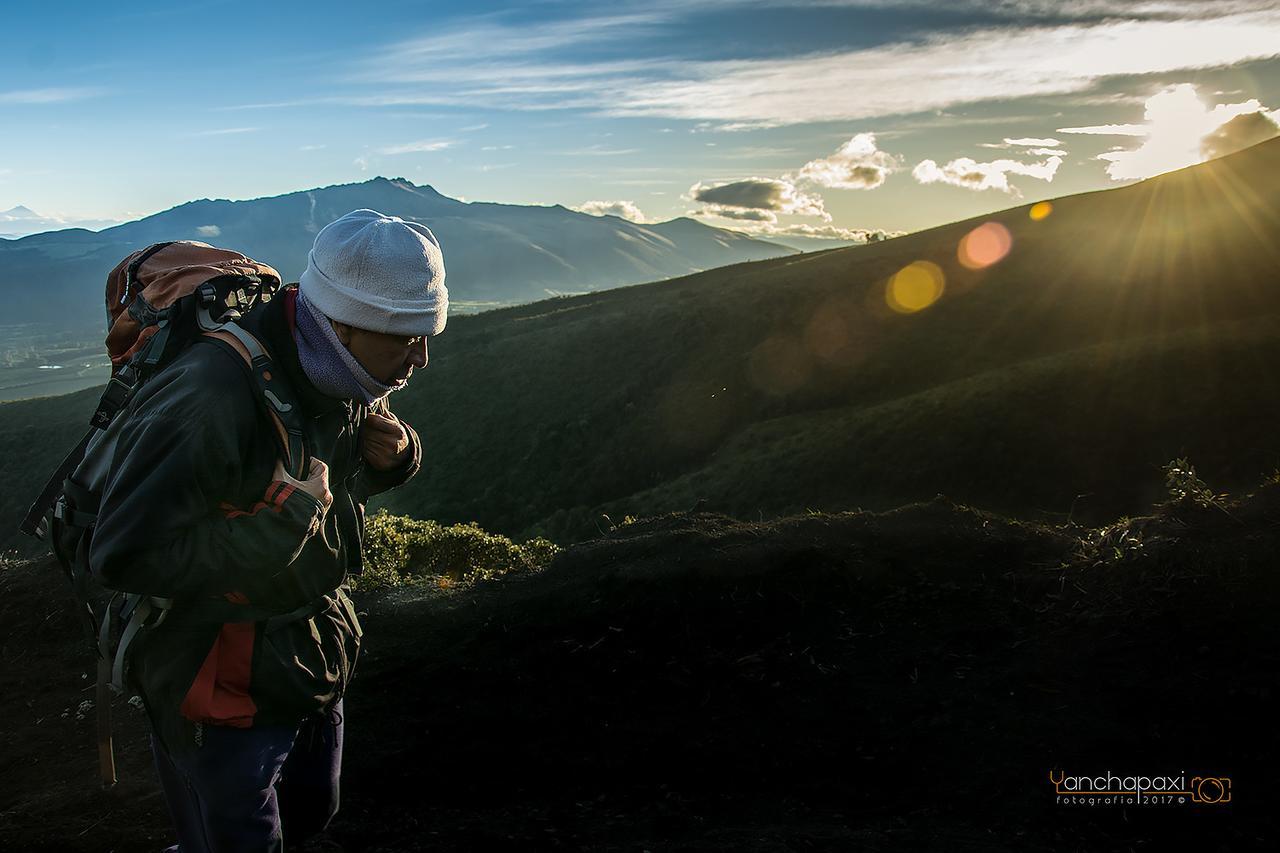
834,118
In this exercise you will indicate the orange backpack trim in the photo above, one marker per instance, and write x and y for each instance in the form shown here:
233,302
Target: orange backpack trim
159,276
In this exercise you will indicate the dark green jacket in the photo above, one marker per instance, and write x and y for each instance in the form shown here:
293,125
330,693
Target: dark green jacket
191,512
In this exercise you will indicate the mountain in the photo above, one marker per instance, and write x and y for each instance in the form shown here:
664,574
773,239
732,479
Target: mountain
22,221
1127,328
493,252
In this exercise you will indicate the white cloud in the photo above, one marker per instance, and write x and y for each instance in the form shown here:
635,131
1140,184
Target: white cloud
767,228
598,151
208,230
501,63
967,173
22,221
421,146
1108,130
622,209
224,131
311,147
943,71
1031,145
496,61
856,165
738,213
1178,131
1030,141
47,96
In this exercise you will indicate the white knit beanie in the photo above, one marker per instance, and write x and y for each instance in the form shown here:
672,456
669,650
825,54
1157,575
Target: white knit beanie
379,273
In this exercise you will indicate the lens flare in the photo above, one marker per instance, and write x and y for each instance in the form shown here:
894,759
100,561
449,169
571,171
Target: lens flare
779,365
1040,210
915,287
985,245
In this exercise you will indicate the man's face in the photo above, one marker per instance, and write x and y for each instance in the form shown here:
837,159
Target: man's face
389,358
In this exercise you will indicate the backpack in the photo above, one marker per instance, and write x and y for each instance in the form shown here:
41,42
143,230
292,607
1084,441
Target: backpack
159,301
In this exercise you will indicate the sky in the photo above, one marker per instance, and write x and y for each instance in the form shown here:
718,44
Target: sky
839,118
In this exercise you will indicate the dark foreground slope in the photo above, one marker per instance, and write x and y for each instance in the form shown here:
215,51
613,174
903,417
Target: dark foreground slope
891,681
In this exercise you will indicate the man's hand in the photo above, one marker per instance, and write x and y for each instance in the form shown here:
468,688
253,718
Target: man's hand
384,443
316,484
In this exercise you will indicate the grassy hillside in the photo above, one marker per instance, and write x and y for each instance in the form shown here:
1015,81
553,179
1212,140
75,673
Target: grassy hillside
1125,328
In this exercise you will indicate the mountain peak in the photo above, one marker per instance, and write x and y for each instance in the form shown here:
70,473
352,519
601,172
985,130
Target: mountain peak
20,212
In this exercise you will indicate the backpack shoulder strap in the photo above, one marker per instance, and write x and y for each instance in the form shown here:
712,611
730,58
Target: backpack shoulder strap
275,393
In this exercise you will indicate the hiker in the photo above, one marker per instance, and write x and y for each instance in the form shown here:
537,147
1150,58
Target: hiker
246,716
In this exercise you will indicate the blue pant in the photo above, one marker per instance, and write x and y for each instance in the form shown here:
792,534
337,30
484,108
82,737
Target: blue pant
244,790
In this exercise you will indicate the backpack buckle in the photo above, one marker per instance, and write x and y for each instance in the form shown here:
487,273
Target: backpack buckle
113,399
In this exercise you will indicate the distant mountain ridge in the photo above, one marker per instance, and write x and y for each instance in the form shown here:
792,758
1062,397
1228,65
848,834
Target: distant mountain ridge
493,252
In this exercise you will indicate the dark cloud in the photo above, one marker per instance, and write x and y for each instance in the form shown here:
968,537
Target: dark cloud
755,193
773,195
1240,132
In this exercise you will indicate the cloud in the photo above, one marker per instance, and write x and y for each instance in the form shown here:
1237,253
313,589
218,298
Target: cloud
774,195
598,151
939,72
769,228
1238,133
310,147
967,173
833,232
23,221
622,209
1032,145
738,213
208,230
1178,130
1109,129
856,165
421,146
224,131
497,61
47,96
1031,142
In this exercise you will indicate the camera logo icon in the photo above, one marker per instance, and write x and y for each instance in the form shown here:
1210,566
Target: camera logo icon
1210,789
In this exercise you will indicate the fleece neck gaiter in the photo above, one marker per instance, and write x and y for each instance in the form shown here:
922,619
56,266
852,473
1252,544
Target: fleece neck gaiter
328,364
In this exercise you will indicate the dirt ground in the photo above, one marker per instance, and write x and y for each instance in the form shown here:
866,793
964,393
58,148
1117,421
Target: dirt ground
895,681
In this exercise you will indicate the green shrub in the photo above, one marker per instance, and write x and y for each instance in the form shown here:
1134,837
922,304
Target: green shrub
1186,488
398,549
